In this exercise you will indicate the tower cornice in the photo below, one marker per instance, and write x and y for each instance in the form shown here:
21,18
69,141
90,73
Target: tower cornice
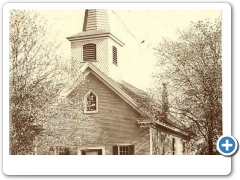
94,35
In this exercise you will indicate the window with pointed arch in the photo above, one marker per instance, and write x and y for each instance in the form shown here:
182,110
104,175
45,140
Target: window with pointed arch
91,102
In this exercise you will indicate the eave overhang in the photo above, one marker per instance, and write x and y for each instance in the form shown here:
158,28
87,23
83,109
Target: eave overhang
95,36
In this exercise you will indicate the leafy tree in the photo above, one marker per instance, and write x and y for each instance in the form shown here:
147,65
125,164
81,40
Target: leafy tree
192,65
35,76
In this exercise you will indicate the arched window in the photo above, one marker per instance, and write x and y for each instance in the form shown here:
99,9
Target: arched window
91,103
114,51
89,52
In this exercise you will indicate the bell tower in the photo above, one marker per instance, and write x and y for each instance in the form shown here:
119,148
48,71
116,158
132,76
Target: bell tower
97,45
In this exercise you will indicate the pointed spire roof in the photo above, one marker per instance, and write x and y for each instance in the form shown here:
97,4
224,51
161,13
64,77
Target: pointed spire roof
96,25
96,19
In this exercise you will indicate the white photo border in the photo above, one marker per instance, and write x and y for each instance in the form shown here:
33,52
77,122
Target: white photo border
113,165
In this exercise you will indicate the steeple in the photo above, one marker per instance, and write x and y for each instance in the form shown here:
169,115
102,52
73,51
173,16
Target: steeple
97,45
96,19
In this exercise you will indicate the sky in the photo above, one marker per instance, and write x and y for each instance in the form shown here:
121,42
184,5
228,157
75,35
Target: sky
132,27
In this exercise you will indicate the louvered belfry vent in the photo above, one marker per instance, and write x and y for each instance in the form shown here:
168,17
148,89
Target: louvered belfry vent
89,52
114,55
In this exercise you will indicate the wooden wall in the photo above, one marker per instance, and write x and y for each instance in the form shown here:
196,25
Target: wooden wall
162,143
114,123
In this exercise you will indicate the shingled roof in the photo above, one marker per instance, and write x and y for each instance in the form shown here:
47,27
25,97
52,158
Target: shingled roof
138,99
154,109
148,106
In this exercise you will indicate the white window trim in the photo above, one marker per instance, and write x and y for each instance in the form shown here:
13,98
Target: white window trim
122,144
92,148
184,150
85,102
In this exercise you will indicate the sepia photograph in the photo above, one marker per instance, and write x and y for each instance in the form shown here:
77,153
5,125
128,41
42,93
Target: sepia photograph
115,81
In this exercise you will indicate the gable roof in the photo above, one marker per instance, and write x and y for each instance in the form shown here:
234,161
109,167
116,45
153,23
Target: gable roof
113,85
136,98
146,103
139,95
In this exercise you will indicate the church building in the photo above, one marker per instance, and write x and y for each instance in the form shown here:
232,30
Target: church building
120,121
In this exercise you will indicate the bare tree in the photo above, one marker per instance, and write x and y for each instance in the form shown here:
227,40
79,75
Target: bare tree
34,68
65,126
193,67
42,116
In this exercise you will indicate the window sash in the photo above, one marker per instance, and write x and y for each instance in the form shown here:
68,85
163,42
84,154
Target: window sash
90,102
123,150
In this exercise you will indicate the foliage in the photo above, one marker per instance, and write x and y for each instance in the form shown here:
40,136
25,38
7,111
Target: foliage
35,76
192,65
65,124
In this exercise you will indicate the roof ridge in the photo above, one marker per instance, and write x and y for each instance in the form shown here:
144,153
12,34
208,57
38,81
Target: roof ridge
132,86
117,88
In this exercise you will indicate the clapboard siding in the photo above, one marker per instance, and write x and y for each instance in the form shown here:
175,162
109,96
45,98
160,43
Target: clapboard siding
162,143
115,122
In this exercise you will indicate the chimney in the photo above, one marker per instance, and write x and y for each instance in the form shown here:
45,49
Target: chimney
165,107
